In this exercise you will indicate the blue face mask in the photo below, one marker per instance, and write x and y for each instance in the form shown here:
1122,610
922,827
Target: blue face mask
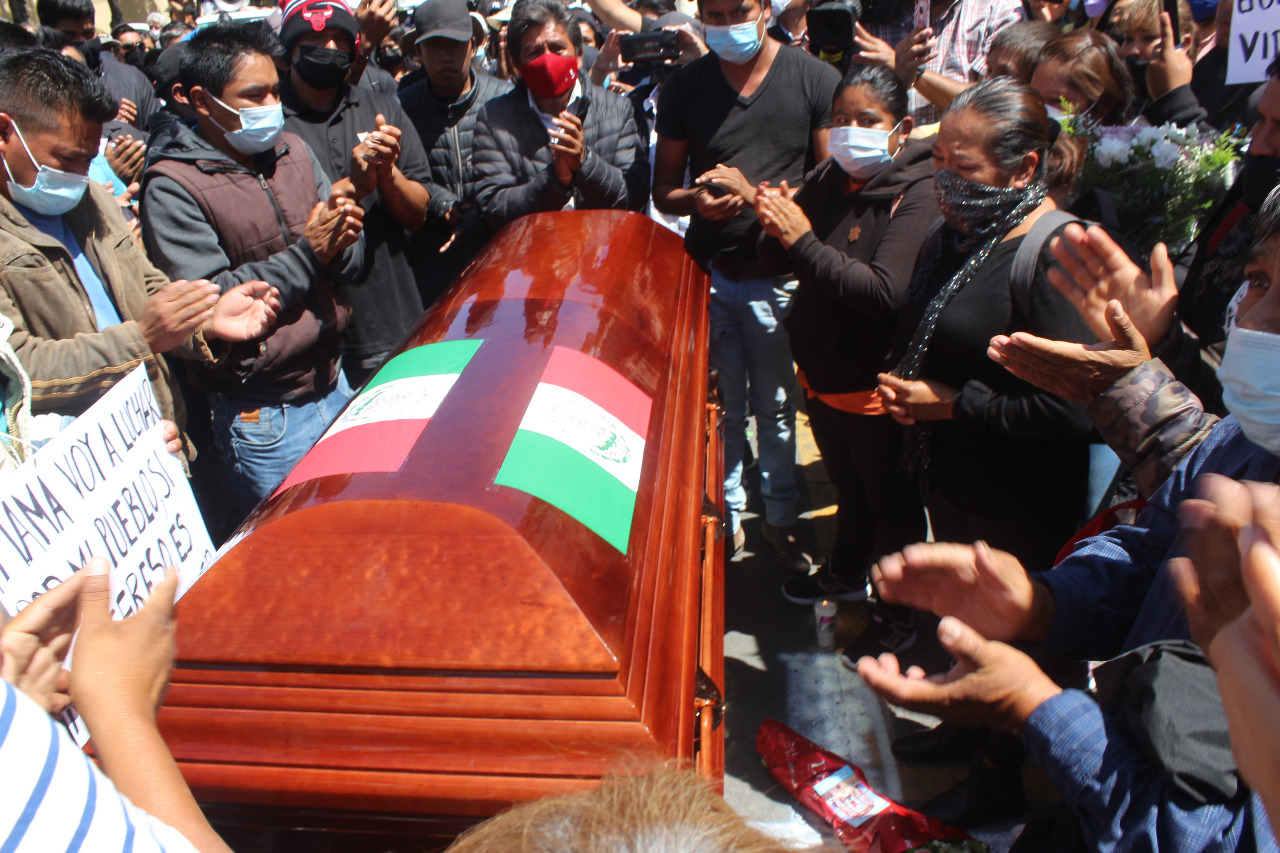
736,43
1251,385
53,193
260,128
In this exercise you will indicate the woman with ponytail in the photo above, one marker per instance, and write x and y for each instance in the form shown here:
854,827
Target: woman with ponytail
996,459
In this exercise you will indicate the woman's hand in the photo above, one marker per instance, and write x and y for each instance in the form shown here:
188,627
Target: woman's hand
779,216
913,400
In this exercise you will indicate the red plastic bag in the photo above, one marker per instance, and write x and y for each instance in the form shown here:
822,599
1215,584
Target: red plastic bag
836,790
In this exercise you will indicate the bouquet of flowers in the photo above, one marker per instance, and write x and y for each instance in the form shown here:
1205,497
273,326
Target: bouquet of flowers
1162,180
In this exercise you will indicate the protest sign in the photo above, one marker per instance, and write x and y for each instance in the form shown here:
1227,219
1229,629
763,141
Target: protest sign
103,487
1255,40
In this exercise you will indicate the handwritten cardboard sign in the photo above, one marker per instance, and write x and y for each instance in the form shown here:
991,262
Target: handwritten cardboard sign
103,487
1255,40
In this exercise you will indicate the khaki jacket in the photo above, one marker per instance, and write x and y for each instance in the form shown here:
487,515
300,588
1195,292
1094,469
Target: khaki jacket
56,337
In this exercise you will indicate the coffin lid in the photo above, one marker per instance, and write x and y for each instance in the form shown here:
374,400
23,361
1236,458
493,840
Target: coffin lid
420,549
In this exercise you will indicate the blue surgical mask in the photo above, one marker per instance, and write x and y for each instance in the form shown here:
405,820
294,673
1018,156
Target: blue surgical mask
1251,385
260,128
736,43
862,152
54,191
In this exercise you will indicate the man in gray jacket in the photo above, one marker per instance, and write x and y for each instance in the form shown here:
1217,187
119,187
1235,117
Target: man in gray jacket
237,199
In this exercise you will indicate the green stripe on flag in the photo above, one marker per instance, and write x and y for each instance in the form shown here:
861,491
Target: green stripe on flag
427,360
572,483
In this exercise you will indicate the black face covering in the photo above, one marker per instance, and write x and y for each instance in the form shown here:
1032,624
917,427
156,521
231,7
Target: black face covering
91,50
1138,70
135,55
389,59
1258,177
322,67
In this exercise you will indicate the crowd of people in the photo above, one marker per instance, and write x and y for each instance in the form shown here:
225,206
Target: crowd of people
891,216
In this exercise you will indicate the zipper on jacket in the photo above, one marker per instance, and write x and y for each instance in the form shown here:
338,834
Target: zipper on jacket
457,154
284,226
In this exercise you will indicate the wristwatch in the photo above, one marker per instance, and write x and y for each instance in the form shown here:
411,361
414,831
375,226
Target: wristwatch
915,81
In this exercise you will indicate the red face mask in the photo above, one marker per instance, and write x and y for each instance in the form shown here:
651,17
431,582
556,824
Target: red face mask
550,75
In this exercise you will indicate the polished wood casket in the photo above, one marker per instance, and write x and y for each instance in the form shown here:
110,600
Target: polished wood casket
497,575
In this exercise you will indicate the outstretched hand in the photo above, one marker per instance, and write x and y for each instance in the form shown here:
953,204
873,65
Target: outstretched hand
1209,578
122,667
244,312
34,644
1092,270
1075,372
991,684
1246,654
985,588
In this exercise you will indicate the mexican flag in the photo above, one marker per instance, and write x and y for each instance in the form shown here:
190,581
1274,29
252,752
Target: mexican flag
581,444
380,426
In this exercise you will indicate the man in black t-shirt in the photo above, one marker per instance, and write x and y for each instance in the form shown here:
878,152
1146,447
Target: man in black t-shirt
747,112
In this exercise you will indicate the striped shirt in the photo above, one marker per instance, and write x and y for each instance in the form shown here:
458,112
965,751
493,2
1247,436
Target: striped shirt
53,798
964,32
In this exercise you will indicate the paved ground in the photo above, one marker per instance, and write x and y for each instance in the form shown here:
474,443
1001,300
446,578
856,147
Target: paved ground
774,669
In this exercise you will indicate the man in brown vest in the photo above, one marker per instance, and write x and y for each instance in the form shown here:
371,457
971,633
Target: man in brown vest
238,199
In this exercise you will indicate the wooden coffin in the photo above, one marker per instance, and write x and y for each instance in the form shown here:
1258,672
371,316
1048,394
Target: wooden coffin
443,610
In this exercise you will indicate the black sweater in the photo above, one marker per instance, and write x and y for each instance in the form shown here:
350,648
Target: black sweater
854,267
1008,439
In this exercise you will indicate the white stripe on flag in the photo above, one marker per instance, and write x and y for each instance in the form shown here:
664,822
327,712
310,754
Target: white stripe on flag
414,398
582,424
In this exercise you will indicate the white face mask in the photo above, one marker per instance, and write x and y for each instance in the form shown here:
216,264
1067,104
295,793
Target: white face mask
862,152
1250,376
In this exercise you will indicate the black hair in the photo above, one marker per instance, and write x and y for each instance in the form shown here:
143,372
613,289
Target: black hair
1022,43
1266,224
661,7
122,29
1273,70
215,53
173,31
1096,69
535,14
885,86
51,39
1019,124
15,37
51,12
39,86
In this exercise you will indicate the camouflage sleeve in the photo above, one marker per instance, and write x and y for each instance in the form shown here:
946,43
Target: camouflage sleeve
1151,420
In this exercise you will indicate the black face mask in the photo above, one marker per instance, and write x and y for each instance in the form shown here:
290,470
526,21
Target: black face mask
135,56
389,59
322,67
1258,177
1138,70
91,50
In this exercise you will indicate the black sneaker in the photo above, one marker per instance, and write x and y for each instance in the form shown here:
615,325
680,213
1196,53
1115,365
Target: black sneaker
823,585
884,634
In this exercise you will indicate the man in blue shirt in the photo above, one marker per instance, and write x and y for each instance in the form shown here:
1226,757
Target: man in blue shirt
1117,592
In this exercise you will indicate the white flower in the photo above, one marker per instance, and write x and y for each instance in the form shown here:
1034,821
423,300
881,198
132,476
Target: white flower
1148,136
1165,154
1110,152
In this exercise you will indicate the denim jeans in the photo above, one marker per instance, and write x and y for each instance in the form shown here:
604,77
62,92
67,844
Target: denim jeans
751,352
257,446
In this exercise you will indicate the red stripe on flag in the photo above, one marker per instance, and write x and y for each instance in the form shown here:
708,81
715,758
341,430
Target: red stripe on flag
368,448
601,384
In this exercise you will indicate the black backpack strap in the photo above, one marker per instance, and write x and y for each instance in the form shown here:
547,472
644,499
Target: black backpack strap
1023,273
